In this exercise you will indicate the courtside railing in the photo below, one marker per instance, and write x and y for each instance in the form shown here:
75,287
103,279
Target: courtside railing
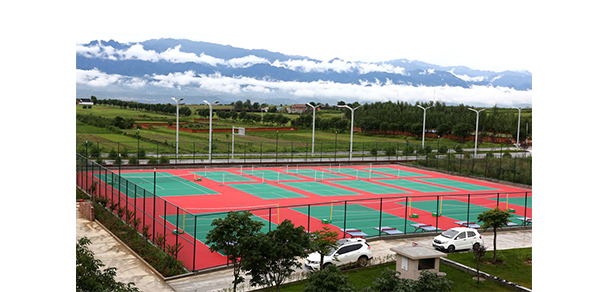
168,225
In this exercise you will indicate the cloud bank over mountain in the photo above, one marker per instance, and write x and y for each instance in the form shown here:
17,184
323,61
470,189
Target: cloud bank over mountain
155,70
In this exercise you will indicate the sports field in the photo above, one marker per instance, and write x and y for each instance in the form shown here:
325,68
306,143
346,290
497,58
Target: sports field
363,200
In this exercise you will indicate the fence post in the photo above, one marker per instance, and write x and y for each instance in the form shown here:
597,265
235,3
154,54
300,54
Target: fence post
525,210
437,209
406,214
194,243
468,210
344,217
308,217
380,214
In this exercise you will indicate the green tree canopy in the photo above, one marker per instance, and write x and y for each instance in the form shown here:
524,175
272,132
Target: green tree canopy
494,218
270,258
226,236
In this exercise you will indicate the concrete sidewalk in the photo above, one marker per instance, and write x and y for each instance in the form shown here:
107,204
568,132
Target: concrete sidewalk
114,254
131,269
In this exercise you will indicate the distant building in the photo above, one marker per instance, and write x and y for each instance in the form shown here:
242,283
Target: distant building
296,109
84,101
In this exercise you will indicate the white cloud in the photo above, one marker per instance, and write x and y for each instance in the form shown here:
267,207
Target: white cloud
246,61
363,92
138,52
95,78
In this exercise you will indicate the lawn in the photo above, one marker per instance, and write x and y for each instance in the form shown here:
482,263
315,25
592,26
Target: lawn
516,268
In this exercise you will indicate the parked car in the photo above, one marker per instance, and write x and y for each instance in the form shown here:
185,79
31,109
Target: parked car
458,238
348,251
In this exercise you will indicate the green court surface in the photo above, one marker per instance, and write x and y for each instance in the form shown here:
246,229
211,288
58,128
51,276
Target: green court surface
457,184
357,217
519,201
369,187
320,189
204,223
413,185
315,174
167,184
222,176
358,173
453,209
271,175
396,172
266,191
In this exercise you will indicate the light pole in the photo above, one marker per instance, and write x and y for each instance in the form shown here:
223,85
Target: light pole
476,131
518,125
210,146
351,135
423,136
313,134
177,124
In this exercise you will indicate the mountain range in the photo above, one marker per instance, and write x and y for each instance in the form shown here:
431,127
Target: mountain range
154,70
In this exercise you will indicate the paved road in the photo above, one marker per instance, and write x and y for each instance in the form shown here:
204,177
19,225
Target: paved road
131,269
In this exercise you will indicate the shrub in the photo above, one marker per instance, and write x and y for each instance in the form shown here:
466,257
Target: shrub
390,150
164,160
153,160
442,150
507,155
458,149
112,154
134,160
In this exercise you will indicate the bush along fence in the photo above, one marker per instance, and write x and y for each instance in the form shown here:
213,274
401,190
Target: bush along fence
182,232
514,167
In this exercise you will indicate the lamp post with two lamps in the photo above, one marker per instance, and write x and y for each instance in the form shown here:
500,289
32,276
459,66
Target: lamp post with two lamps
210,145
476,131
351,135
313,134
177,123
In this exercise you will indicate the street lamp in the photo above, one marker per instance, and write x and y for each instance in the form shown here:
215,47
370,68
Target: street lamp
313,134
177,124
351,135
518,125
424,130
210,146
476,131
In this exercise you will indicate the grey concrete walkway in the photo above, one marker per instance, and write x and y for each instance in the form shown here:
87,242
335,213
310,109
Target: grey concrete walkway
131,269
114,254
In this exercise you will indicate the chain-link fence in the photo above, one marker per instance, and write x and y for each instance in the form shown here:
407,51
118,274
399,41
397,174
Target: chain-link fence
169,225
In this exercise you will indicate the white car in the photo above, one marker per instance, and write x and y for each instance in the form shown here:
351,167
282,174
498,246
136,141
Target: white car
458,238
349,250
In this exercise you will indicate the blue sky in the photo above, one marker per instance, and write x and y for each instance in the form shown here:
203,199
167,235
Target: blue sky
476,34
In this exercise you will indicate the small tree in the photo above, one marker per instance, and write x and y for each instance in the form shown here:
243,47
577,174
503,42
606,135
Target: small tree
329,279
390,281
479,255
322,242
429,281
90,277
226,236
494,218
270,258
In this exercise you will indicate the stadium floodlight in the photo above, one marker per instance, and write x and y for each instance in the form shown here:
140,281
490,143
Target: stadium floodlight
518,125
177,124
423,135
476,131
351,135
210,146
313,134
